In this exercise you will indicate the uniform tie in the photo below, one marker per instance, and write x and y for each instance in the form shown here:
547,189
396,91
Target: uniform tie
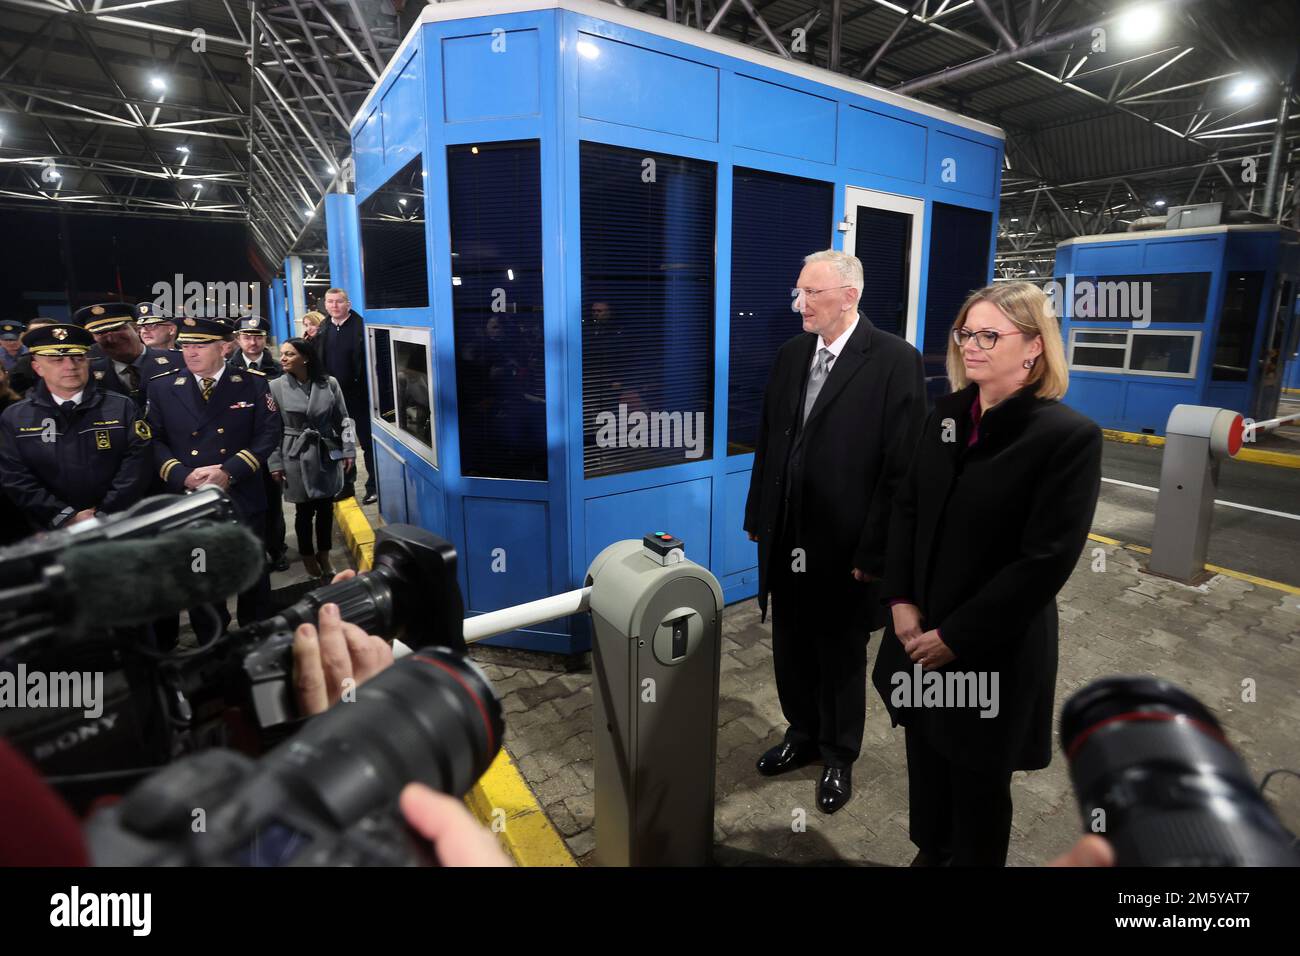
132,375
816,379
208,384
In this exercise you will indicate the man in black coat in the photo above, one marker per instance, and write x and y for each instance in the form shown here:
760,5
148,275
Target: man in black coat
341,345
842,409
120,362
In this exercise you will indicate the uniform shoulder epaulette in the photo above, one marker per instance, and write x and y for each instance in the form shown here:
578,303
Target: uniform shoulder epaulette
254,371
163,374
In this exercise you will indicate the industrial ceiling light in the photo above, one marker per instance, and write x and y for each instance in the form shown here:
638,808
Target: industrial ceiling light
1244,88
182,149
1140,22
158,83
1160,204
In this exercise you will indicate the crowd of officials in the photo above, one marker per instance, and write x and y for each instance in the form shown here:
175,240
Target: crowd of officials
126,401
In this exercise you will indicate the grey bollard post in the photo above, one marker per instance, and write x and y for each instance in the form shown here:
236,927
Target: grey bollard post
1196,438
657,621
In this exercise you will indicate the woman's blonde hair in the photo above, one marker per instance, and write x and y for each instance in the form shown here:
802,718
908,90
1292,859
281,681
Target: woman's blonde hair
1029,309
312,318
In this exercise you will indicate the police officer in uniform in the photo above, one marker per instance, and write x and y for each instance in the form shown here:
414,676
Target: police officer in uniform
214,424
11,343
120,362
250,336
72,449
157,329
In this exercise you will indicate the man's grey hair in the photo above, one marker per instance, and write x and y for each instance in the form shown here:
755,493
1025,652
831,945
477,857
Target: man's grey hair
849,267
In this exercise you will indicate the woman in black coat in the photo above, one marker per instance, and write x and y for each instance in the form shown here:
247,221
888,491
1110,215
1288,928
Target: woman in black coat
987,527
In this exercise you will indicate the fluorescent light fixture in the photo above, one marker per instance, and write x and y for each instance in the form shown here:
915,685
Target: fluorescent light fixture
1014,219
401,202
1140,22
309,213
474,150
455,280
182,149
158,83
510,274
588,49
330,170
1160,204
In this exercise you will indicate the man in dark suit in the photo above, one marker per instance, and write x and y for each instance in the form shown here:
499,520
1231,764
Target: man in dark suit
120,362
341,344
841,413
214,424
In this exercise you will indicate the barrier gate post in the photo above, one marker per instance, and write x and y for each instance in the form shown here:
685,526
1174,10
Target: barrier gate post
657,623
1196,437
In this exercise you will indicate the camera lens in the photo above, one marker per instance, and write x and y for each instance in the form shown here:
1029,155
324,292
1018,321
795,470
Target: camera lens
432,717
1154,774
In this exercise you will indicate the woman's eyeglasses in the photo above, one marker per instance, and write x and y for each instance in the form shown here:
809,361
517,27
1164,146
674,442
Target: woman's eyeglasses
984,338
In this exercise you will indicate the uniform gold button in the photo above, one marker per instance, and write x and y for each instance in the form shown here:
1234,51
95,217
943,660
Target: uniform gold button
195,452
221,431
223,451
194,434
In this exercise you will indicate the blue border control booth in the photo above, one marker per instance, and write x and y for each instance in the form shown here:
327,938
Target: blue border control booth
577,230
1199,316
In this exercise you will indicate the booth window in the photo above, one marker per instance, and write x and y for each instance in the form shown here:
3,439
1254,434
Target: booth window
648,234
959,264
1169,297
776,220
395,263
494,200
1232,351
403,391
1171,354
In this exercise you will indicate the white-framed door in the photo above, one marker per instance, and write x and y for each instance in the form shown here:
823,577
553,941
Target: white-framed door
887,229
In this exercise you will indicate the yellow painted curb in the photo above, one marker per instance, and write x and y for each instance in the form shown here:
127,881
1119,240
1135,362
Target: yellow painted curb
1291,391
525,833
1279,458
1239,575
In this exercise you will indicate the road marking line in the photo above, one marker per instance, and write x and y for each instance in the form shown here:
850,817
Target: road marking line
1217,501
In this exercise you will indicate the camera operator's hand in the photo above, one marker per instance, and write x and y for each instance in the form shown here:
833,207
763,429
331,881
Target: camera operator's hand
458,839
1091,850
326,660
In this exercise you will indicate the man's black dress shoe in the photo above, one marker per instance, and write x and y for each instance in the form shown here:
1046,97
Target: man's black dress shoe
370,498
835,788
280,563
783,758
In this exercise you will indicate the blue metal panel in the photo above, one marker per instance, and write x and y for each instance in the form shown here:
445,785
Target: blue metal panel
402,109
962,164
344,243
633,86
1181,255
777,119
739,554
1100,397
877,143
1107,258
506,555
491,76
391,482
681,509
368,153
279,315
1147,403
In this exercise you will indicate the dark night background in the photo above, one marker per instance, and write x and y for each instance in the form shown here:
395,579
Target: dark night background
68,258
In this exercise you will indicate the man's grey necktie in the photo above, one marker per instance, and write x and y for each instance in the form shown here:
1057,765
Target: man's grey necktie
816,379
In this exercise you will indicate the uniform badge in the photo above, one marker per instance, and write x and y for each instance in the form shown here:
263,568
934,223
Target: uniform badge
236,378
142,431
162,361
97,310
179,381
102,441
270,402
59,333
190,321
99,375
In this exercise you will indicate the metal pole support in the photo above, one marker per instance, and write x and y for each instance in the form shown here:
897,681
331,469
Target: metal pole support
1197,437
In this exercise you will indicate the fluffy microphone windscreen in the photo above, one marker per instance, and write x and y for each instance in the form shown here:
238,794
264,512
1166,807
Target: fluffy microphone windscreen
126,583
